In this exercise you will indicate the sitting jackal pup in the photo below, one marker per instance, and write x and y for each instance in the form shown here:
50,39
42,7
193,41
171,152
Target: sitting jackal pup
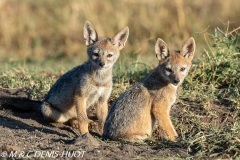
134,114
89,84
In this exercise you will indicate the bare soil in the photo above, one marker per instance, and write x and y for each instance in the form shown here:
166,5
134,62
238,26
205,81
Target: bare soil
28,133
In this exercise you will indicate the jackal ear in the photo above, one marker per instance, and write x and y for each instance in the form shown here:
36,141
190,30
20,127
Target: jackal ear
89,33
120,38
188,48
161,49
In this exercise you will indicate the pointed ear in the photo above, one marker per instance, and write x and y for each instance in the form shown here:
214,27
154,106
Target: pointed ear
89,33
188,48
120,38
161,49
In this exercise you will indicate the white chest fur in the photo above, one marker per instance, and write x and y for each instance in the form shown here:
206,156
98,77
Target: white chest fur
100,91
95,95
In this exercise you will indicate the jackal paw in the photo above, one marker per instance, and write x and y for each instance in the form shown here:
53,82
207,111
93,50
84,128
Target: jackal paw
173,138
73,123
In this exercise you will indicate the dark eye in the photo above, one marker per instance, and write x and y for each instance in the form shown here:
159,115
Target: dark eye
109,55
182,69
96,54
168,69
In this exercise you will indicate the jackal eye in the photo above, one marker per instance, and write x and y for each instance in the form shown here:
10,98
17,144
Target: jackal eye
109,55
168,69
96,54
182,69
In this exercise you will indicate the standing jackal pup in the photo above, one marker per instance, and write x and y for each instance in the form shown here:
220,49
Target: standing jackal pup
134,114
89,84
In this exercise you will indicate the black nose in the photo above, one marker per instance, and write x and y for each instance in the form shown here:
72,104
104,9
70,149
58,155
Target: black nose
176,81
101,64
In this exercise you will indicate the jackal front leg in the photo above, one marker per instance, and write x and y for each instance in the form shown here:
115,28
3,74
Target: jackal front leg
86,137
102,111
163,117
82,118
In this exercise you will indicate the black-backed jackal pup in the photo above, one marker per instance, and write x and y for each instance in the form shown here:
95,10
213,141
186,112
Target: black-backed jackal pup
89,84
134,114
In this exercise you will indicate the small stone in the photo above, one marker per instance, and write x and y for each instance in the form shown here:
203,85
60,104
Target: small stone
86,139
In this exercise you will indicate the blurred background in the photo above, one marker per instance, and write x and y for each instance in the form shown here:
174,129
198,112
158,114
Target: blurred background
52,29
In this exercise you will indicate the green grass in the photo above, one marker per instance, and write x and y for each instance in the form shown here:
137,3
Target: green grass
219,71
213,82
211,91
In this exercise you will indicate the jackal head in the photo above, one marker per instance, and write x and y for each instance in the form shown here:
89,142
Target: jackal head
103,52
174,66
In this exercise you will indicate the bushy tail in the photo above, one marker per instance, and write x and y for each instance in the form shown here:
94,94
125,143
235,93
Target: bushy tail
21,104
